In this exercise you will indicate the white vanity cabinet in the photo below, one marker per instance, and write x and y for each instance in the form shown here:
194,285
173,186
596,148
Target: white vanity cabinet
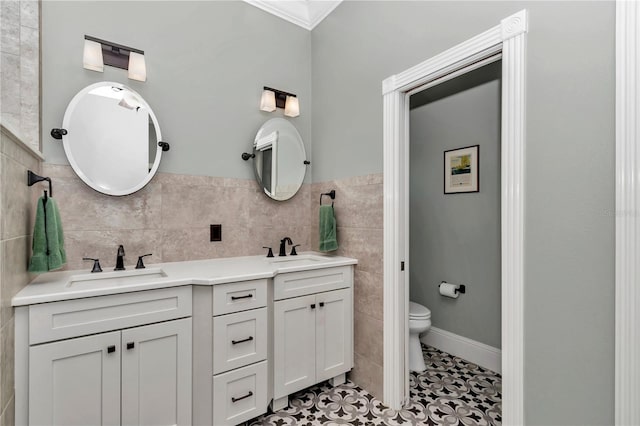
313,329
240,351
134,375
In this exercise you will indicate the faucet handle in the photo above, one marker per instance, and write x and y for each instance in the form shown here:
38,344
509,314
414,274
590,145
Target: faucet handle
140,264
293,250
270,253
96,264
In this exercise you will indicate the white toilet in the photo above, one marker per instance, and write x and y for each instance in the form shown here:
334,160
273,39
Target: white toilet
419,322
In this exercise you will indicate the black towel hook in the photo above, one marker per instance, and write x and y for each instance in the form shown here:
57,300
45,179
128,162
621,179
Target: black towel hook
33,178
331,194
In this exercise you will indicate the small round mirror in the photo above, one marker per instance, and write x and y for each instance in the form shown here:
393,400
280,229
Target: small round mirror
112,138
279,159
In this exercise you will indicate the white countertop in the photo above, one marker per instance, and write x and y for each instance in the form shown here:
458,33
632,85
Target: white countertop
65,285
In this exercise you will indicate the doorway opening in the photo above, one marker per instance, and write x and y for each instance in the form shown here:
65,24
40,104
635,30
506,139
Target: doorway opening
508,41
455,237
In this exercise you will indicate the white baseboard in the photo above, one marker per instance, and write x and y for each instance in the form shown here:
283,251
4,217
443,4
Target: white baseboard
478,353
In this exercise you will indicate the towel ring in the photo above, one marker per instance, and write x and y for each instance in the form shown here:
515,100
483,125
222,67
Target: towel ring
331,194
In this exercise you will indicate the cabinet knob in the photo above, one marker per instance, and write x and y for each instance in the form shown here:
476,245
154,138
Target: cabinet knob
321,304
313,306
131,345
111,349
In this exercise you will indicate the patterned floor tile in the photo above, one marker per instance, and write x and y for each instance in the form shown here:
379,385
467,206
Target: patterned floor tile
451,391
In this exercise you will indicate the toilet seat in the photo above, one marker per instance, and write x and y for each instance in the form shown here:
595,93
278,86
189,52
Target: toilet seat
418,312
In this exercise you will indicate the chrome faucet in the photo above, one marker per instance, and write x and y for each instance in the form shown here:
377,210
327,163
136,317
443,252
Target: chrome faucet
283,247
120,259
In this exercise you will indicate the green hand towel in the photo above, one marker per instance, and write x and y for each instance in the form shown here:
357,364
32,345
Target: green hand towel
55,237
48,240
328,240
39,262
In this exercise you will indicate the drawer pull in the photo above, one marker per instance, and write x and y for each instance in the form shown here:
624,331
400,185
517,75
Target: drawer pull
111,349
248,339
248,296
321,304
131,345
313,306
240,398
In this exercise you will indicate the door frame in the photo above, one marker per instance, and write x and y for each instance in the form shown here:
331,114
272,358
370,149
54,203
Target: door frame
627,216
508,39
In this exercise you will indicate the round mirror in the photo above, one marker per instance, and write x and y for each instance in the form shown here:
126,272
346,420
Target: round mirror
112,138
279,159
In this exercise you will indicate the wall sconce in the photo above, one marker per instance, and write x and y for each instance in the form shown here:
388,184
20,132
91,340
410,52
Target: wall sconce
273,98
98,53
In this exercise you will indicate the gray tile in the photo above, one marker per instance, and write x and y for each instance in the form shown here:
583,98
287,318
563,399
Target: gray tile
363,244
6,363
8,415
15,276
10,84
17,200
84,209
368,337
368,293
16,150
30,13
10,26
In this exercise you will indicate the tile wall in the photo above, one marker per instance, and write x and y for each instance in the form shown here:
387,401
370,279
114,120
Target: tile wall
20,69
17,205
359,215
170,218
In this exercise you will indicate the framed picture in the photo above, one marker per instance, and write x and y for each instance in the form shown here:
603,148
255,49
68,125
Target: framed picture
461,170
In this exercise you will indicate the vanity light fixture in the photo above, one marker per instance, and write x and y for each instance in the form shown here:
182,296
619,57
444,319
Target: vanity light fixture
273,98
268,101
292,107
98,53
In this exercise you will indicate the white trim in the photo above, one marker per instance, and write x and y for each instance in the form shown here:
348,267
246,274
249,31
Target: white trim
627,347
471,350
305,14
509,38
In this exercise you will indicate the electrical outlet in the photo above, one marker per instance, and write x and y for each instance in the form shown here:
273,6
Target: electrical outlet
215,232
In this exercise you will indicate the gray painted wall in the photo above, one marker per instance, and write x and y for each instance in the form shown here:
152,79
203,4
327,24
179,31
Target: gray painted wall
569,230
456,237
206,65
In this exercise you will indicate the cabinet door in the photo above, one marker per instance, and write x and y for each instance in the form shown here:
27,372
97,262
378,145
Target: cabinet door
156,374
294,349
76,381
334,334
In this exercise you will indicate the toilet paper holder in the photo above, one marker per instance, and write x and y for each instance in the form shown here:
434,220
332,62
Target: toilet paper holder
460,289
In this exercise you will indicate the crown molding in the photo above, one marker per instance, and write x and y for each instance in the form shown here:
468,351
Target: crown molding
304,13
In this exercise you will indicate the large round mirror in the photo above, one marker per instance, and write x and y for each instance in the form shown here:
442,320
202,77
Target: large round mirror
112,138
279,159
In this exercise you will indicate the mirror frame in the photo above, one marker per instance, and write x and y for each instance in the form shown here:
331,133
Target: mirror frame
67,148
255,156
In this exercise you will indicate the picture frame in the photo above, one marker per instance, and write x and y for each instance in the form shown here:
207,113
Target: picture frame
461,170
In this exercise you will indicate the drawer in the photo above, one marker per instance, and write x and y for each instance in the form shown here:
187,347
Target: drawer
71,318
301,283
239,339
240,395
240,296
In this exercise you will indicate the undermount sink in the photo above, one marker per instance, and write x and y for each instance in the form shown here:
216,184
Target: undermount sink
301,258
116,278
